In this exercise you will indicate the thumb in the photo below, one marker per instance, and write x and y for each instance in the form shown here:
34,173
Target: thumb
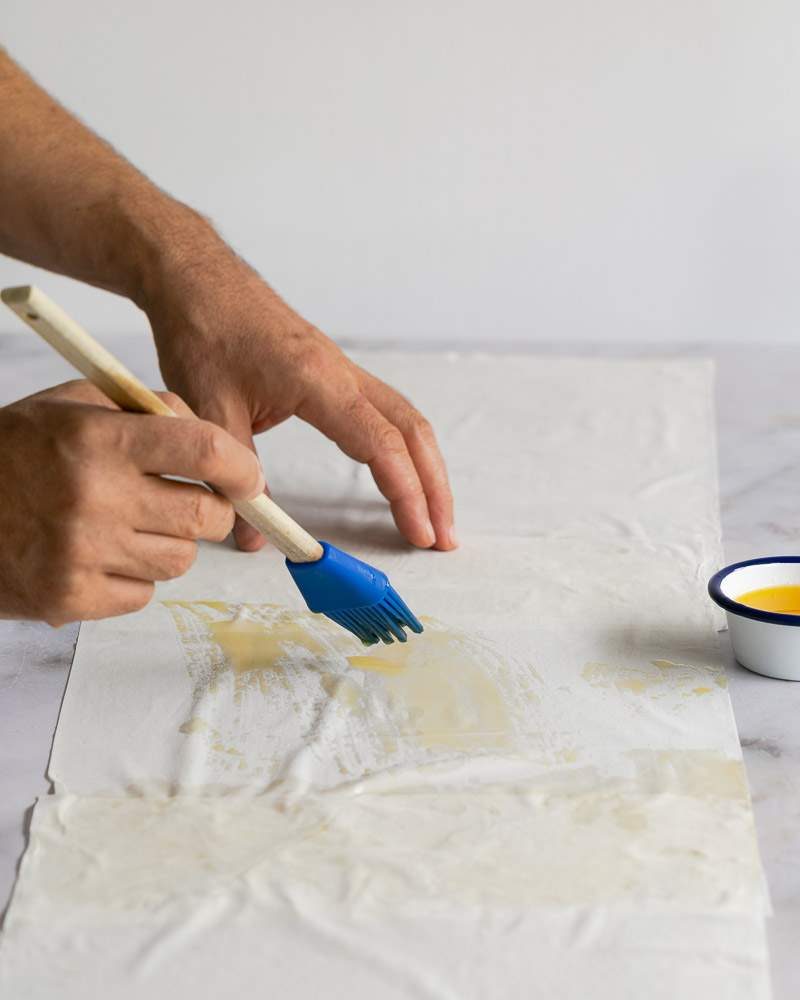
236,421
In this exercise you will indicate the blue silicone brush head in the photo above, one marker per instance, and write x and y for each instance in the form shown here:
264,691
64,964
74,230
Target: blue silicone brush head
355,595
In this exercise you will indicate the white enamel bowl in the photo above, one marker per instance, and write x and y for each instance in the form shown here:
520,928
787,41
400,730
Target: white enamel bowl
763,641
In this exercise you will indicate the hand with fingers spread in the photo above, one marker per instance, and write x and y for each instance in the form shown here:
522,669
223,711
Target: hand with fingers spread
87,523
244,359
227,343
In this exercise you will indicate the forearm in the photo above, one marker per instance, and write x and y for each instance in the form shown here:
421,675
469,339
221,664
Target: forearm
70,203
236,352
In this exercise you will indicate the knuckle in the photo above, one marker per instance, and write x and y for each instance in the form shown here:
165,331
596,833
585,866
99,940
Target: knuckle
79,390
179,560
221,524
356,405
389,439
210,448
75,388
195,515
74,430
307,364
113,435
420,426
91,436
310,355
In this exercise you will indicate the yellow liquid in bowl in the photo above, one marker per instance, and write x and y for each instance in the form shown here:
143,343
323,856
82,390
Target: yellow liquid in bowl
784,600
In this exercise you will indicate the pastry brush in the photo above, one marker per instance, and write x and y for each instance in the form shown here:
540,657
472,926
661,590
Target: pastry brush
350,592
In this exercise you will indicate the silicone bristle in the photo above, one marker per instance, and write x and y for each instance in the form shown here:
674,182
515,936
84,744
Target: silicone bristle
355,595
401,612
383,622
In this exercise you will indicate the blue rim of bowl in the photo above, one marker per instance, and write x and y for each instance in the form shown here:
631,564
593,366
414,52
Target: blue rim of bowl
735,608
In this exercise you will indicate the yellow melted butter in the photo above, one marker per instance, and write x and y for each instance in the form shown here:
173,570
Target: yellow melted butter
439,688
248,645
784,599
378,664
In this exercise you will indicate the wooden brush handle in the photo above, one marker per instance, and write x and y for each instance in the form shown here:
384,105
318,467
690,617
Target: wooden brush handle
113,378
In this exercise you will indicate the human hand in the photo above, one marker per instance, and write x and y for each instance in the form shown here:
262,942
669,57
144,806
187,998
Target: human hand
227,343
87,524
245,360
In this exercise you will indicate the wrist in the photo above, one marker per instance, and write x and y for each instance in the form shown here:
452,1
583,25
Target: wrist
199,289
173,251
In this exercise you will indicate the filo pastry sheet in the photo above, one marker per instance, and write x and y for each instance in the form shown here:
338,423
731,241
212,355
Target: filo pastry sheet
543,795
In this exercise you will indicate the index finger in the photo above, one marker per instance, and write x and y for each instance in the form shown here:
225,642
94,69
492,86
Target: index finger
194,449
425,454
363,433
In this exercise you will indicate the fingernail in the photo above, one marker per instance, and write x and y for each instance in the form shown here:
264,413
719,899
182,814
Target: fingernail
430,534
451,537
261,478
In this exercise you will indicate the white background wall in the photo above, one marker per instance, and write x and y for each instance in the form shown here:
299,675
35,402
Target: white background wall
459,170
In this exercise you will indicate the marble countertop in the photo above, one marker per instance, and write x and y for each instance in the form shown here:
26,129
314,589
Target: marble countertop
759,448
